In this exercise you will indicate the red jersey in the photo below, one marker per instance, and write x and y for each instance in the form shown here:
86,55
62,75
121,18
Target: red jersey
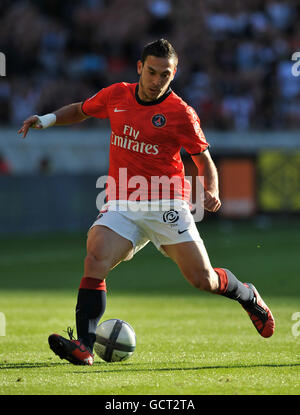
146,139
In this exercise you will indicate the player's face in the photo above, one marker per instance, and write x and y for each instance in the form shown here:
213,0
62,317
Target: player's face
155,77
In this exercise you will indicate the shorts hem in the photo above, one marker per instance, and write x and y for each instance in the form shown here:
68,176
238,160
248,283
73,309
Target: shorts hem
109,226
160,249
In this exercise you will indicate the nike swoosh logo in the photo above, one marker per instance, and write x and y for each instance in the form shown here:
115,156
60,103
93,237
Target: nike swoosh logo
116,110
180,232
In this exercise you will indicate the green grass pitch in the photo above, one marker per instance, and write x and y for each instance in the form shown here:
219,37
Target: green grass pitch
188,342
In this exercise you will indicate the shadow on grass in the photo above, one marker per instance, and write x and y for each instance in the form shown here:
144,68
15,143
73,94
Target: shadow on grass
33,365
133,368
165,369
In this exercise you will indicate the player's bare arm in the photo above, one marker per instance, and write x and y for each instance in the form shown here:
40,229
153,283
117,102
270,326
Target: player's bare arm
207,168
69,114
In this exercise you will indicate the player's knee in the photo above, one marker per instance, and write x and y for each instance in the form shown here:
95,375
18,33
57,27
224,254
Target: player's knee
204,280
97,265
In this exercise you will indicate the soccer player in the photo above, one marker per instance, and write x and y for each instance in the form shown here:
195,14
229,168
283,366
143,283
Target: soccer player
150,124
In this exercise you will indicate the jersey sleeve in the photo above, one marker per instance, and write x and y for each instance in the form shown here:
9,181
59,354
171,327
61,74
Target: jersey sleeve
97,105
193,139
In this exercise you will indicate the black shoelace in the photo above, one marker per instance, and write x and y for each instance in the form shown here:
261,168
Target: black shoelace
70,333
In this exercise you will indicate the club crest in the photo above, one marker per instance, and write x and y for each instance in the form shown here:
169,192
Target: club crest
159,120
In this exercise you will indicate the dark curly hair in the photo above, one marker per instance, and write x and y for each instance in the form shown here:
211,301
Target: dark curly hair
161,49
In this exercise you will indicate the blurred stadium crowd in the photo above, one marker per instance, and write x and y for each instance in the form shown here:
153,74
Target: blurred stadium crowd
234,56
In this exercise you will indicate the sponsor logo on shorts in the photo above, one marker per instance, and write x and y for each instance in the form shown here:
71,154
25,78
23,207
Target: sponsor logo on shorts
171,216
180,232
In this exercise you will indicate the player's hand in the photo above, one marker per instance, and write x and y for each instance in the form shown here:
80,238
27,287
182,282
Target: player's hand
212,202
30,122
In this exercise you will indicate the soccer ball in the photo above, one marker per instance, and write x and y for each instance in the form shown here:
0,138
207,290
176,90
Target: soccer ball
115,340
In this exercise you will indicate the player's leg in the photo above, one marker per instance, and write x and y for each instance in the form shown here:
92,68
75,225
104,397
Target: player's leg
193,261
105,249
194,264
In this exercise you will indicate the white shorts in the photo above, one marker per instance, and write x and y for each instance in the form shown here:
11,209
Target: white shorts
164,222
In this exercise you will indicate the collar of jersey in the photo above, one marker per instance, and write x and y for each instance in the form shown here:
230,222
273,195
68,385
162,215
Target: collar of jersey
156,101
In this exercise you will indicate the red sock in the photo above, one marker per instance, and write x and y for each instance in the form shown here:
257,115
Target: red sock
92,284
231,287
223,280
